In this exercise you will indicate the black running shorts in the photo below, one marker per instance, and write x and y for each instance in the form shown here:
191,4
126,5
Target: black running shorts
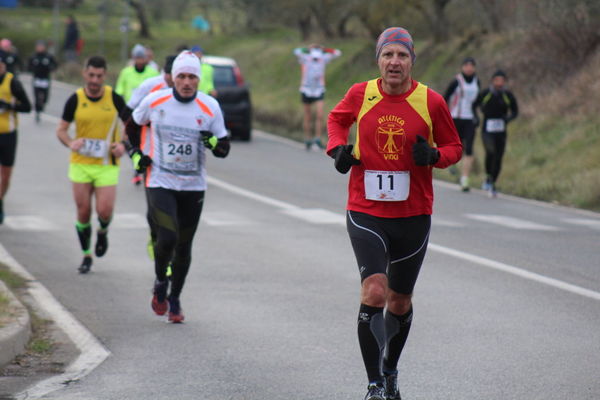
309,99
392,246
8,148
466,132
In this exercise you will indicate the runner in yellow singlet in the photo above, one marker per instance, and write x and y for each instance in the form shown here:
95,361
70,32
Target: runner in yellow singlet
12,101
95,152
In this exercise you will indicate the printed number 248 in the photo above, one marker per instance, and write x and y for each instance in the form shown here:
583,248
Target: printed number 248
180,149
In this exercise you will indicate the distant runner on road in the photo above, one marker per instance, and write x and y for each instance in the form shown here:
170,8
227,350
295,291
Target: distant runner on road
13,100
499,107
131,77
41,64
95,152
460,95
313,60
184,122
403,131
207,83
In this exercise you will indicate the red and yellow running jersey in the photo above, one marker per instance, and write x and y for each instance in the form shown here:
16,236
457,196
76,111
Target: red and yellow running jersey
387,128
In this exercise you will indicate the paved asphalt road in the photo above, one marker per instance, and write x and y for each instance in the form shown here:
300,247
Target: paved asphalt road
272,295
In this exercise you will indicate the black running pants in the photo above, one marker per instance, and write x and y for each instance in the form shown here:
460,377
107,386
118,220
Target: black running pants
494,144
175,215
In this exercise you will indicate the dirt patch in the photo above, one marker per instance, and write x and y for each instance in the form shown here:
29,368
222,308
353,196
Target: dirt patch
48,353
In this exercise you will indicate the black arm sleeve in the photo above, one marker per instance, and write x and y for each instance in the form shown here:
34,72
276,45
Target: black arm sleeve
53,63
514,108
22,105
69,110
133,132
222,148
126,113
451,88
120,106
477,102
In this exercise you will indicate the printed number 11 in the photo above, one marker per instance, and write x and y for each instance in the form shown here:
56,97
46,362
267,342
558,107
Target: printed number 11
390,177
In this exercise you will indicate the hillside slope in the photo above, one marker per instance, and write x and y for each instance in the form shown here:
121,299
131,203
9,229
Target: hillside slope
553,152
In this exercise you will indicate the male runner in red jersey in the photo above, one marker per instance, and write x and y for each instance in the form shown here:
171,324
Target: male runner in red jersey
403,130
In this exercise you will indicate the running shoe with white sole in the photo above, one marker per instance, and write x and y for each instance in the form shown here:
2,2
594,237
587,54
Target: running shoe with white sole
159,298
375,391
175,311
86,265
464,183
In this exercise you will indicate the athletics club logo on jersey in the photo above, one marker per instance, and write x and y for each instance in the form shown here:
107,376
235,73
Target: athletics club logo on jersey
390,136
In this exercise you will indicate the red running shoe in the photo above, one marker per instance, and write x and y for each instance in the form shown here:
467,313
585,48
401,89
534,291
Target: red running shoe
175,311
159,300
136,180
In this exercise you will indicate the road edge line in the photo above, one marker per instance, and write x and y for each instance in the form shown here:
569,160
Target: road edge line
92,352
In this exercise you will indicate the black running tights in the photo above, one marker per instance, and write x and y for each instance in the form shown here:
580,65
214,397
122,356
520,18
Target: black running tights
175,215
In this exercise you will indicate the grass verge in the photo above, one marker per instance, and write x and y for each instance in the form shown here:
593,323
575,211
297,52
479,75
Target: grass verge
40,342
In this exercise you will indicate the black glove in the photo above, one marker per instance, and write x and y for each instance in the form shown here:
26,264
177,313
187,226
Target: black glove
475,121
343,158
210,141
424,154
140,160
5,106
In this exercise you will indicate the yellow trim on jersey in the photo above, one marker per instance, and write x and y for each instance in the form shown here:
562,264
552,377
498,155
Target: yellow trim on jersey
96,120
372,93
418,101
8,118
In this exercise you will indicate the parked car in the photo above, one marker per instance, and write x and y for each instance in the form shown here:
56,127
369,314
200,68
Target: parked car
233,96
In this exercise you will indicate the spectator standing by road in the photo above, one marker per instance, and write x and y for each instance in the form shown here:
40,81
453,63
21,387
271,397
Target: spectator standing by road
313,60
460,95
71,39
13,100
404,130
41,64
499,107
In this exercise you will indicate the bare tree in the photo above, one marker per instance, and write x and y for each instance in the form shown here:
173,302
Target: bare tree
434,12
140,12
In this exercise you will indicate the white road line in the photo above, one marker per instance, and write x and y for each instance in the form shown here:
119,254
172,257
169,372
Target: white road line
129,221
515,271
92,352
317,216
437,221
591,223
219,218
511,222
251,195
30,223
485,262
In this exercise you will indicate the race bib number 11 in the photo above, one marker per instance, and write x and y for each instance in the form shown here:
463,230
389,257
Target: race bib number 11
387,185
